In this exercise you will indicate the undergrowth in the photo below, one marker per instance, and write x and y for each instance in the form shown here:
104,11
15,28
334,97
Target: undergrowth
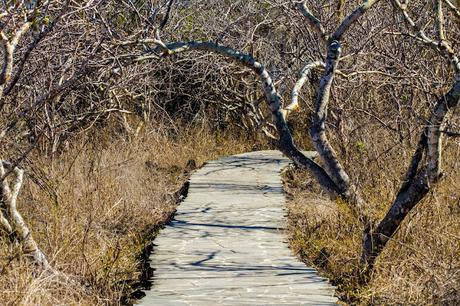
93,208
419,266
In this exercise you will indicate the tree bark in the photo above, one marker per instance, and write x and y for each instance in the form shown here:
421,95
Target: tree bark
318,129
303,75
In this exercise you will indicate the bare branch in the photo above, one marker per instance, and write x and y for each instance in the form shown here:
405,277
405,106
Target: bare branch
442,36
303,76
166,17
443,47
314,22
350,19
318,129
450,133
29,50
453,8
340,8
434,142
418,180
9,47
13,221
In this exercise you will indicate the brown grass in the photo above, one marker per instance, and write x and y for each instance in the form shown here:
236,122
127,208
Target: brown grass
420,265
90,207
93,207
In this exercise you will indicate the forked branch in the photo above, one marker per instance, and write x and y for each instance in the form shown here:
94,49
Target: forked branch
318,129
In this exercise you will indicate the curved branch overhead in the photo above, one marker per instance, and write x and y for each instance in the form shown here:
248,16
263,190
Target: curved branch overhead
286,143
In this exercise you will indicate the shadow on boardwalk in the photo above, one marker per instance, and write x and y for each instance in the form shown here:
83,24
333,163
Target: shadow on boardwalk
226,245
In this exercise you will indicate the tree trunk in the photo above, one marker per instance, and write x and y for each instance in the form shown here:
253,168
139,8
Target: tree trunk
11,220
318,133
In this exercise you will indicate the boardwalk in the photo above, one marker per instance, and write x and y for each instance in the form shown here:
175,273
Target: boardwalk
226,245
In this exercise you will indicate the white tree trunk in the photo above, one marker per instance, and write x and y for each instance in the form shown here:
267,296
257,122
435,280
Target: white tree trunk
11,220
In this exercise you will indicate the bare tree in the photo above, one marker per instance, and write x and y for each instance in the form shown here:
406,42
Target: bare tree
420,177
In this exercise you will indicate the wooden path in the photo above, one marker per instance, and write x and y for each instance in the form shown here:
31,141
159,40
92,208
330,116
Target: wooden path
226,244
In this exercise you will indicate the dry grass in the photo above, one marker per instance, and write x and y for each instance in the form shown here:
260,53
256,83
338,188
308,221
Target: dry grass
92,210
91,207
420,265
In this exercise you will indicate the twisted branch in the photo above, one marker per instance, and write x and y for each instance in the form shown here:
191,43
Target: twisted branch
303,76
